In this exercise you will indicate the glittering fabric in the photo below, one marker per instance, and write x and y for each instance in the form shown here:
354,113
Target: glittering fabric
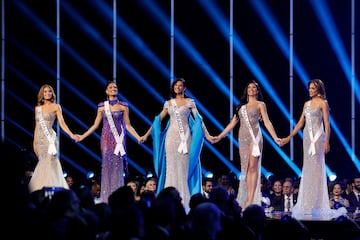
245,149
112,168
48,171
177,164
313,198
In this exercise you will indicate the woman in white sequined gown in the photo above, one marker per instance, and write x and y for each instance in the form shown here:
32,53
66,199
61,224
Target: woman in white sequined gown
313,197
249,113
176,155
48,171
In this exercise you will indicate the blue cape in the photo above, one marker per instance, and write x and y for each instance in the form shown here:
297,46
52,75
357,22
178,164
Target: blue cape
159,157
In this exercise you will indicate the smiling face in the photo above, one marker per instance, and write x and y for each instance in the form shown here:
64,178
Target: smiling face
313,90
48,93
111,89
179,88
252,89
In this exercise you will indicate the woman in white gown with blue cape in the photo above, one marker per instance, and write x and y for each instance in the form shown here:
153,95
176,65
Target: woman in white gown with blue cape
177,148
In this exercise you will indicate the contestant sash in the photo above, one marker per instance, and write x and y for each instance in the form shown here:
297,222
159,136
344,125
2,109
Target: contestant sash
256,149
118,138
183,146
313,138
52,148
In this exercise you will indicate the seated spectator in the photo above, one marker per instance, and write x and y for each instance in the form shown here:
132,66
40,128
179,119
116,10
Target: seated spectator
151,184
135,187
354,196
276,196
207,185
336,199
225,182
290,198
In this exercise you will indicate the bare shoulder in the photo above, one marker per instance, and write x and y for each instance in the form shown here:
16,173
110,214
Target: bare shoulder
56,106
324,104
261,104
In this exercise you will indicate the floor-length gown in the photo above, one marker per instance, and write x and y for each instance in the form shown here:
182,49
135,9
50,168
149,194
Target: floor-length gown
245,149
177,164
48,171
313,198
112,168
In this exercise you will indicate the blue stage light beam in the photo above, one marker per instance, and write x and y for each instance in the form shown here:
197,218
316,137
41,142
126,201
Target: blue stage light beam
193,54
132,38
273,27
322,12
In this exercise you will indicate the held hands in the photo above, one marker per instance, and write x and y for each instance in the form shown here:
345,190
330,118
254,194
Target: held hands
76,137
216,139
142,139
211,139
278,141
283,141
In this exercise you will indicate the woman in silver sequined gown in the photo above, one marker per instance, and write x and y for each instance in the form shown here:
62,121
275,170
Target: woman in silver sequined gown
48,171
249,113
177,161
313,198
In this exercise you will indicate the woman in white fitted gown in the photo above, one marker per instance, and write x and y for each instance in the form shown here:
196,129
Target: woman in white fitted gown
177,148
313,197
48,171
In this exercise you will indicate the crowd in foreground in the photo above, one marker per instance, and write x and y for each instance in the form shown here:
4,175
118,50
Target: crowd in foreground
213,215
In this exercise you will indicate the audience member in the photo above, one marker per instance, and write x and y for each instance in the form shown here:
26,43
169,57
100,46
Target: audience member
225,181
354,196
207,185
254,217
205,222
336,199
276,196
135,187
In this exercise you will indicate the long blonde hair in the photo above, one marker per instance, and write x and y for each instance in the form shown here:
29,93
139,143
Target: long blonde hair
40,96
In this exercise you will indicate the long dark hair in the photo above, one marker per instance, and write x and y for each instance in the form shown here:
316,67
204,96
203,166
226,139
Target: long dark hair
172,93
245,98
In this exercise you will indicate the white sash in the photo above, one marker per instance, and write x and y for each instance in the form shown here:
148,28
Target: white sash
52,148
256,149
183,146
313,138
119,139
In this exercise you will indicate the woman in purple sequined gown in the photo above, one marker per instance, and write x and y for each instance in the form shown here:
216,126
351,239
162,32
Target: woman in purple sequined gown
313,198
114,115
249,113
48,171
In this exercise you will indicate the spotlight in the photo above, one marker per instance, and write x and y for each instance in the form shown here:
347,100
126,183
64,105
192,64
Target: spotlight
90,175
209,175
268,175
149,174
65,174
332,177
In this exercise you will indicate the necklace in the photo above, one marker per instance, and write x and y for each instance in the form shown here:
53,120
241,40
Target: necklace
114,101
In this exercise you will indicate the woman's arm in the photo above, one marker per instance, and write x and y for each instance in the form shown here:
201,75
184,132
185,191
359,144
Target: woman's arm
62,123
129,127
228,128
296,129
95,125
325,111
163,114
268,124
